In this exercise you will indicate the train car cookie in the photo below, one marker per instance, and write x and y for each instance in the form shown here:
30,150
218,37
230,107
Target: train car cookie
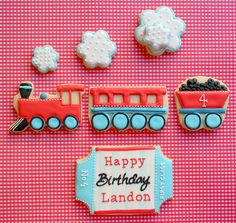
136,108
51,110
201,103
132,180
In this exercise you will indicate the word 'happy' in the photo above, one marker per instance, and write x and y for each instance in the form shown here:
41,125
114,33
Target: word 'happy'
124,162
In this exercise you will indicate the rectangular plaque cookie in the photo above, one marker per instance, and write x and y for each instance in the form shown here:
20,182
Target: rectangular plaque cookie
124,180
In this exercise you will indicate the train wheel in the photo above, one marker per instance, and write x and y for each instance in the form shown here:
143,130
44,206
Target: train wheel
138,121
54,123
37,123
71,122
213,120
156,122
100,121
120,121
192,121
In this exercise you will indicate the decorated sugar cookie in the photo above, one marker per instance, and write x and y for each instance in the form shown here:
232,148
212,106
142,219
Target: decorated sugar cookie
96,49
131,180
45,59
52,110
201,103
121,108
160,30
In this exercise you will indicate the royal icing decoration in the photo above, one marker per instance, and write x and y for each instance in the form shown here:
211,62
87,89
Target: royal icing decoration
45,59
201,103
52,110
124,180
136,108
96,49
159,30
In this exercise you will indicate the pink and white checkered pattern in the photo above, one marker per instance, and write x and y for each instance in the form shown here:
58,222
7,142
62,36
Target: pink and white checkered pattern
37,171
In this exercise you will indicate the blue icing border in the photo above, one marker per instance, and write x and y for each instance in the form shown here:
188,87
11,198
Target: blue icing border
163,188
86,193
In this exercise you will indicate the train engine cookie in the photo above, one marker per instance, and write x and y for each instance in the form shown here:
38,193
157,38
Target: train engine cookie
51,110
136,108
201,103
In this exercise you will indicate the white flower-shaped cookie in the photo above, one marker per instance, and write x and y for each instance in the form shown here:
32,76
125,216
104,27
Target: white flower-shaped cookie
45,59
164,18
96,49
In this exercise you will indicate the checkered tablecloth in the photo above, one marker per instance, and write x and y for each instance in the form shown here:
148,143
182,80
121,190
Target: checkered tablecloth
37,170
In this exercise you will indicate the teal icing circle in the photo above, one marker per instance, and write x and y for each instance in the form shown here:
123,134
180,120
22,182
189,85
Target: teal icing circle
138,121
213,121
37,123
43,96
53,123
70,122
100,121
192,121
120,121
156,122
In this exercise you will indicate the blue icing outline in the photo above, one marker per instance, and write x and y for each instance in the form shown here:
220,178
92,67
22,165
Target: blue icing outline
110,55
86,194
167,179
146,110
54,60
202,110
144,25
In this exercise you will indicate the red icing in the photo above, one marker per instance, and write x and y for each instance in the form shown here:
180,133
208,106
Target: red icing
125,212
125,148
194,99
70,87
45,108
126,92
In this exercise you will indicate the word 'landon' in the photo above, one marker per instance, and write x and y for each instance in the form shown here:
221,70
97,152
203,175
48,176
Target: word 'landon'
124,162
123,179
125,198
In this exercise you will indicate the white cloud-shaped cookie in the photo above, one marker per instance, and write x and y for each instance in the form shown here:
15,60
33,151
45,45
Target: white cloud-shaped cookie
165,18
96,49
45,59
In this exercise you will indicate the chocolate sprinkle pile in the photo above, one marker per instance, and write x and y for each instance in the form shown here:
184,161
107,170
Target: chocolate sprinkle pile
209,85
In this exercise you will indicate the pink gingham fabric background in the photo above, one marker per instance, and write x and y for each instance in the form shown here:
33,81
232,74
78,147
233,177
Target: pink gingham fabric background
37,170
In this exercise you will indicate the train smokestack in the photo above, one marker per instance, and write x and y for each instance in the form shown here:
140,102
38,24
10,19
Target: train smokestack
25,89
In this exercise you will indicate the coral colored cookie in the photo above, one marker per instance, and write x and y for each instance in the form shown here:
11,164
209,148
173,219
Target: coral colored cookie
160,30
45,59
96,49
51,110
133,180
201,103
121,108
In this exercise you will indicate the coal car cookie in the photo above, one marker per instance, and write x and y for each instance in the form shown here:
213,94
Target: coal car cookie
201,103
133,180
124,108
52,110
